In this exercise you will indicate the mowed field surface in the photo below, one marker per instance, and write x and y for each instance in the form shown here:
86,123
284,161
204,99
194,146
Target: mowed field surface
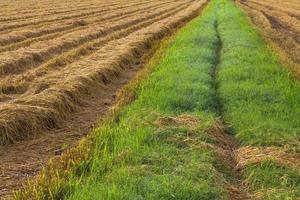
279,20
59,58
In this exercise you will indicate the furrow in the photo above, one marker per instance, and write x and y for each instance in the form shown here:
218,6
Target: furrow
226,143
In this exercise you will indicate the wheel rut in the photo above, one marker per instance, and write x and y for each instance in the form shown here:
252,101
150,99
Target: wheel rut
226,143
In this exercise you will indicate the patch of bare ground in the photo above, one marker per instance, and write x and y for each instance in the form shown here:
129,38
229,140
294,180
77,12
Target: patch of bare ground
226,147
63,101
280,25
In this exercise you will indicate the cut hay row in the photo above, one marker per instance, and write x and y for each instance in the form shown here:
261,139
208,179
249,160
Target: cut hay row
57,68
52,7
28,36
278,25
9,18
50,11
280,18
50,106
44,14
93,45
67,21
39,29
38,53
55,19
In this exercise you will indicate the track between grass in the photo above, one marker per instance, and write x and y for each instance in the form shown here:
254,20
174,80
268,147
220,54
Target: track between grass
227,144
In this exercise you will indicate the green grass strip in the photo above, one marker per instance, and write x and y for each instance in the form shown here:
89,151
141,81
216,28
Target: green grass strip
136,159
259,97
260,100
255,94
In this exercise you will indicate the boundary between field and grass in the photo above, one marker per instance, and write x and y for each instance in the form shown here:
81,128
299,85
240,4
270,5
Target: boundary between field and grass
56,177
275,48
214,115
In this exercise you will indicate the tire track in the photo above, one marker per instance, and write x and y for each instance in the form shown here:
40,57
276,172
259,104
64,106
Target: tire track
226,143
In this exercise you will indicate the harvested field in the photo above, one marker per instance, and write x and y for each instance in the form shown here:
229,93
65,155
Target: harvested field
61,65
280,22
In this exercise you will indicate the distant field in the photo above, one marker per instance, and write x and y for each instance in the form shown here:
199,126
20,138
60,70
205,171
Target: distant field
279,20
62,57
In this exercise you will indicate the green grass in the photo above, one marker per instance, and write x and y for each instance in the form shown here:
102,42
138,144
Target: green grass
134,158
259,100
164,162
273,181
258,96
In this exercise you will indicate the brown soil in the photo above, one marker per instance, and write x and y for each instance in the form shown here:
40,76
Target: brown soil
226,147
54,88
279,22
